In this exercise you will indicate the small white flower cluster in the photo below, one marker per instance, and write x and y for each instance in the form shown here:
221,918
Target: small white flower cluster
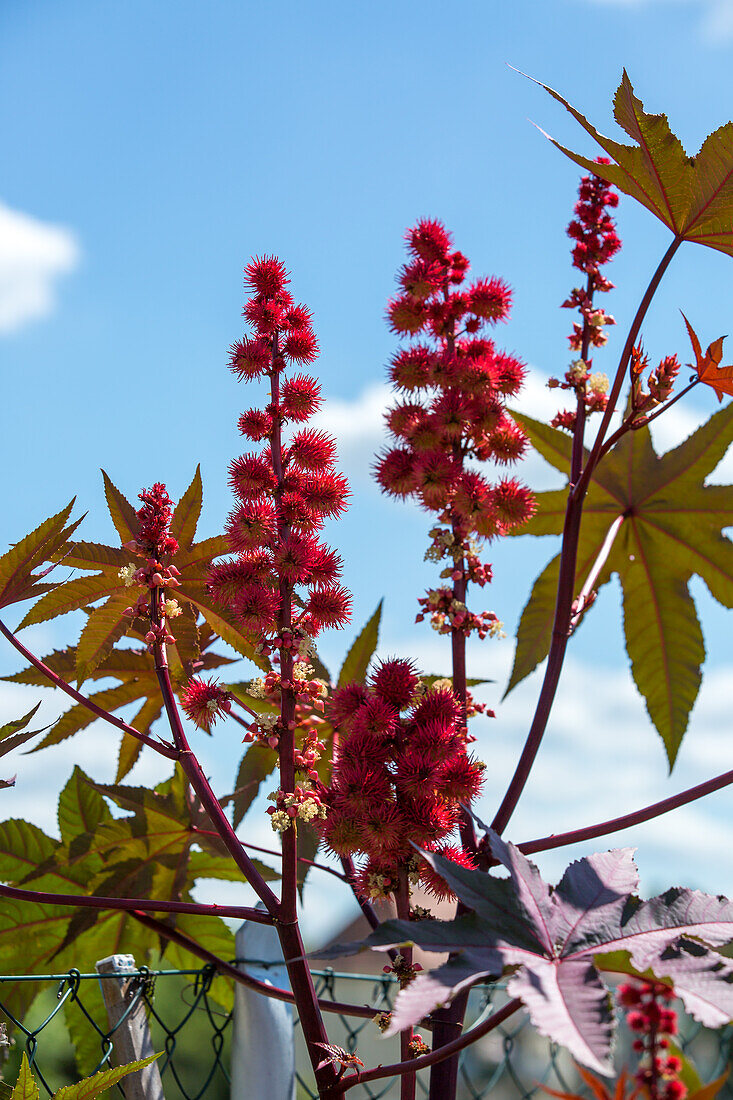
257,688
577,370
267,721
127,574
599,383
172,609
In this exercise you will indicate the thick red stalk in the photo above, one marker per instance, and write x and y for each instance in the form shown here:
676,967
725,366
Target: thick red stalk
625,821
162,747
243,912
582,484
408,1081
426,1060
198,780
568,560
288,929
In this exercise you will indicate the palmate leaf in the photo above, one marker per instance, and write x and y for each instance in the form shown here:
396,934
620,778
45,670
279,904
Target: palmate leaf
14,734
107,623
549,939
671,529
693,196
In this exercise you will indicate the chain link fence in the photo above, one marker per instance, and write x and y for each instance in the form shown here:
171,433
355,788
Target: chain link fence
193,1032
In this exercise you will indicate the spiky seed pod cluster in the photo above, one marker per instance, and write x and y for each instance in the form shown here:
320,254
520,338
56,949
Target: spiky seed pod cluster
285,491
454,384
401,774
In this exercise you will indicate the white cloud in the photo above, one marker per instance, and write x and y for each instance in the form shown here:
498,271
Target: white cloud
33,256
716,24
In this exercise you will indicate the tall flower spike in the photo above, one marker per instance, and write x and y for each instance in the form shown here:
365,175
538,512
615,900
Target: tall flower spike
457,383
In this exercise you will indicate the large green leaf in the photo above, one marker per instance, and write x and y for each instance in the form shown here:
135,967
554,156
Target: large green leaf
359,656
122,512
693,196
102,630
671,528
25,1087
258,762
91,1087
187,512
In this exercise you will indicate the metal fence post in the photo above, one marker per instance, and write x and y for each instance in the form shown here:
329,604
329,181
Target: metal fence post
131,1034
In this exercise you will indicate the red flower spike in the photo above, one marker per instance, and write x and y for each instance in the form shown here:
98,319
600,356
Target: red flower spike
395,470
225,579
406,314
299,317
155,517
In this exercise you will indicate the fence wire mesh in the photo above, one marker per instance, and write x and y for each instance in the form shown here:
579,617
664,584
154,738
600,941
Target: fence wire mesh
193,1033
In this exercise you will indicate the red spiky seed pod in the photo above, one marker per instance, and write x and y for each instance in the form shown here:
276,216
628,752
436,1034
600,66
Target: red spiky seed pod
266,276
431,879
395,681
300,397
329,606
203,701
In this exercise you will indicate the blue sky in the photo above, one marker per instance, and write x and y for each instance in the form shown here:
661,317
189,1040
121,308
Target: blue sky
152,147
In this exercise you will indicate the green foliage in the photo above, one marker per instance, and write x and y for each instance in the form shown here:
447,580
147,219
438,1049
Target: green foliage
18,582
359,657
671,529
26,1087
693,196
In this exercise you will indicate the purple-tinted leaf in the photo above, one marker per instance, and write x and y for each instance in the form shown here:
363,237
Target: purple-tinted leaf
592,883
702,980
538,904
568,1003
429,991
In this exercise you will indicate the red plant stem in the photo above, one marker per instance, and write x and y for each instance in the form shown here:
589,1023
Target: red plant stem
582,484
244,912
161,747
435,1056
408,1082
576,460
288,929
668,405
274,992
198,780
614,824
568,561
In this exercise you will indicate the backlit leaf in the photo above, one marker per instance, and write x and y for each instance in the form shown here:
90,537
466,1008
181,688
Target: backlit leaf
708,365
693,196
362,650
671,529
100,1082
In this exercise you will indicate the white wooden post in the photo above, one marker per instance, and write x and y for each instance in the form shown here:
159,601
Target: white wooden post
263,1044
132,1038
